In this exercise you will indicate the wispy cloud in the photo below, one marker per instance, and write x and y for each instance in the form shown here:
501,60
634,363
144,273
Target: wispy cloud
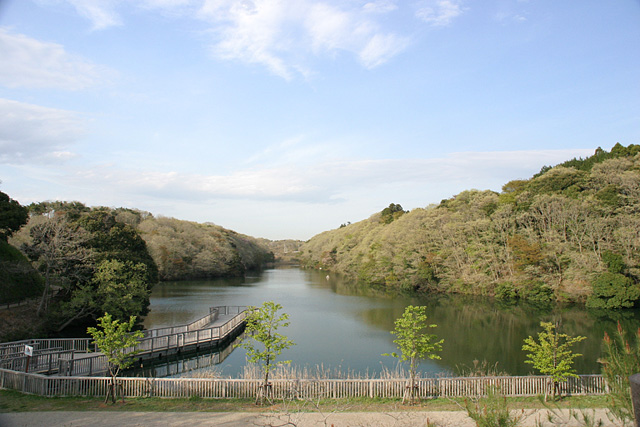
440,13
27,62
102,14
33,134
380,6
282,34
330,181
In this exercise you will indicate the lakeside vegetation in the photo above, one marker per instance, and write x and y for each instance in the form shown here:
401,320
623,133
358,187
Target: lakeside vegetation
571,233
80,262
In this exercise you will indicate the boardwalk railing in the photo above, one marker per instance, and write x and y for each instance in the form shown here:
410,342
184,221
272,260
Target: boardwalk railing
64,344
176,366
67,356
298,388
166,342
214,314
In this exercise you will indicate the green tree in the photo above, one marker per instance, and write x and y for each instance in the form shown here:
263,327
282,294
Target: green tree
266,343
121,288
391,213
414,342
111,240
620,360
117,342
613,291
58,249
552,354
12,216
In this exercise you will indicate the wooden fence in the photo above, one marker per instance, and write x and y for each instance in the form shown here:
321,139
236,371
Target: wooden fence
296,388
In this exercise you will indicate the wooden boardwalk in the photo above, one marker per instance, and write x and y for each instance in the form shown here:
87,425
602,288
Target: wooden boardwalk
77,356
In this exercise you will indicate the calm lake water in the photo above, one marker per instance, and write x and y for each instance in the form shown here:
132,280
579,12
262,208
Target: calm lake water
339,326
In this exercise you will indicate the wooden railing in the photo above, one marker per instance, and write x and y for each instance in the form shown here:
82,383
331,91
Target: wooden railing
60,351
65,344
42,360
295,388
214,313
185,338
176,366
164,342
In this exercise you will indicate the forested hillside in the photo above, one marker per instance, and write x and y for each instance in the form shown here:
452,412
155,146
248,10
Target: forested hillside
188,250
570,233
96,260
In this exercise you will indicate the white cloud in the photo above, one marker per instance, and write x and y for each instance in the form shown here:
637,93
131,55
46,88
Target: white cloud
381,48
380,6
440,13
101,13
27,62
34,134
283,34
329,181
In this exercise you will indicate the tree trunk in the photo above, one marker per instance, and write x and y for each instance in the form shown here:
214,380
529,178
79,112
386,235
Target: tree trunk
42,307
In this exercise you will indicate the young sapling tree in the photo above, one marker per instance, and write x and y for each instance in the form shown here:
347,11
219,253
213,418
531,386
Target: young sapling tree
552,354
266,344
415,343
116,341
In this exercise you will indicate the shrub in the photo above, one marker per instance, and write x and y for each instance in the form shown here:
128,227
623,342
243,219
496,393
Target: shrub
613,291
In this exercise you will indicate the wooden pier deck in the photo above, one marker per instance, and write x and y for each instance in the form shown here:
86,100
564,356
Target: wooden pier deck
77,356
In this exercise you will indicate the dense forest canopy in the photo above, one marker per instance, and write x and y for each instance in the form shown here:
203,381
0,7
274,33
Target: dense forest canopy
97,260
570,233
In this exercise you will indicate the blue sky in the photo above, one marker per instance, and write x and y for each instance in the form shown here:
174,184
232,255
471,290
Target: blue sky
286,118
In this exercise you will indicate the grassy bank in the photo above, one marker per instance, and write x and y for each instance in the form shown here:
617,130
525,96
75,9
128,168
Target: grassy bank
11,401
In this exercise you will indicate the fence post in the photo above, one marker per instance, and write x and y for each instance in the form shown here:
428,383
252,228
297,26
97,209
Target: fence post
634,380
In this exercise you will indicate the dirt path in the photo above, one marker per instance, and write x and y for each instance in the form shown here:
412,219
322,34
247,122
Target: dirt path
237,419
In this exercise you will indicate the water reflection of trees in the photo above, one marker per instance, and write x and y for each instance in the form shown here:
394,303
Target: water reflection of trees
186,364
477,328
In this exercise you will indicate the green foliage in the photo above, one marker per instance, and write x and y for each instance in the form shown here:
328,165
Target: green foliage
414,341
391,213
492,410
552,354
12,216
187,250
58,249
117,342
265,343
102,259
72,210
620,360
18,279
505,291
545,235
91,263
536,291
559,180
121,288
613,291
610,196
113,240
599,156
614,262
